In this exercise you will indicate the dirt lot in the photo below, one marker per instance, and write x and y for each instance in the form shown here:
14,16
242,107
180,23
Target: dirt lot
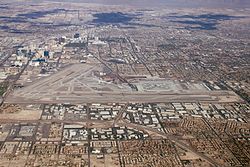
25,114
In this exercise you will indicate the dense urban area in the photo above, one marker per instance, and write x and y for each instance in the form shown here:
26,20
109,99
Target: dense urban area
91,85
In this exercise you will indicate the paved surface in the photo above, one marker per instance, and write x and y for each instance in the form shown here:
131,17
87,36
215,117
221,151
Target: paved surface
77,84
105,97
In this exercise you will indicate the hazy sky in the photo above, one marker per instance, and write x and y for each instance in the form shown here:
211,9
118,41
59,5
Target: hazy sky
156,3
181,3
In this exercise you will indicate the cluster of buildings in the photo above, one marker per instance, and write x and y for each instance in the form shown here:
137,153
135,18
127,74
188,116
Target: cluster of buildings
148,152
129,137
227,111
150,54
104,112
117,133
143,114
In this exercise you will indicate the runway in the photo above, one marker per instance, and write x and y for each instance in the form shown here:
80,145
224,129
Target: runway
77,84
104,97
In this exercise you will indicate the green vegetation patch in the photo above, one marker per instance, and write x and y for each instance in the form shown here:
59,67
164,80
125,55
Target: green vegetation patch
3,88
